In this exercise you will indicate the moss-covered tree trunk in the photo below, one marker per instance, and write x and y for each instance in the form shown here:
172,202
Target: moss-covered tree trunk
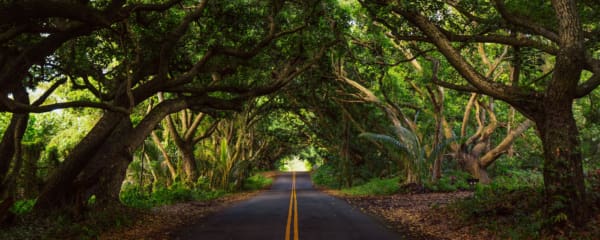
564,188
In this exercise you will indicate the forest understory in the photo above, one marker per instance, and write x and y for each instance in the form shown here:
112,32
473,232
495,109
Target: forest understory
434,216
122,222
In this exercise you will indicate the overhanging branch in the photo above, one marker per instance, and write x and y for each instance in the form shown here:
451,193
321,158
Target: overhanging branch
9,105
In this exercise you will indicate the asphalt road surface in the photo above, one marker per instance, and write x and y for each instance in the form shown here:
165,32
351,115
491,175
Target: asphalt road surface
292,209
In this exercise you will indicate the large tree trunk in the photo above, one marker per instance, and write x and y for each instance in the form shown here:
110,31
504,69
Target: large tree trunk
471,164
28,178
476,163
98,163
167,159
185,142
10,150
57,190
11,140
551,109
104,174
564,188
189,162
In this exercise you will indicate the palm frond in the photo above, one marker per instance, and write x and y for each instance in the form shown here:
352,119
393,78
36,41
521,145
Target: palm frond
439,148
388,140
408,142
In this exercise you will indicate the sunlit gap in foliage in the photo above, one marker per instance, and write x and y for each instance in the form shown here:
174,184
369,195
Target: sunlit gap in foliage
294,164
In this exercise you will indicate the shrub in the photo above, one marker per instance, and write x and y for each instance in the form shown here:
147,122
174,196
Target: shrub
375,186
518,179
327,176
178,192
256,182
451,181
510,213
593,187
22,206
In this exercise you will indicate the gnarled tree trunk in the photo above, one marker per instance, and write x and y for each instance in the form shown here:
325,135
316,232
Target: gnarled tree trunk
57,192
564,188
10,151
98,163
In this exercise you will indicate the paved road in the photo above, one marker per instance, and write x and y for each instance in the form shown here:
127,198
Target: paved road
293,207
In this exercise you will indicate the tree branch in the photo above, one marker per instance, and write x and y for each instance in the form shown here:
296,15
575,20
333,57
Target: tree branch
48,92
524,23
594,81
189,134
496,152
207,133
9,105
494,89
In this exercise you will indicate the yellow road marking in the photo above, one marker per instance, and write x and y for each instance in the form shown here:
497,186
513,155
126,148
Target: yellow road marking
293,205
295,212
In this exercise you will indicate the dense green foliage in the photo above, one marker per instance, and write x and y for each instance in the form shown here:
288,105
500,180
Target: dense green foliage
89,226
496,208
22,206
451,181
327,176
509,207
257,182
147,103
374,187
175,193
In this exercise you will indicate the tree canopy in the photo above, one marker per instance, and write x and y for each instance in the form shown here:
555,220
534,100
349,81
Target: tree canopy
98,95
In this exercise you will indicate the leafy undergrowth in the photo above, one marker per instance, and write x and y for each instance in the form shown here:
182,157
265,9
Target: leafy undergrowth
326,176
450,181
178,192
67,226
374,187
514,214
504,210
512,210
144,215
120,222
258,181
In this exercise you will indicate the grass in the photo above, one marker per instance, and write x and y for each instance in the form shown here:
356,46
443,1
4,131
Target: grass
374,187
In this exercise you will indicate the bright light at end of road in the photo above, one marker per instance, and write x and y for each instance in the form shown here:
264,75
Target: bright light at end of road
297,165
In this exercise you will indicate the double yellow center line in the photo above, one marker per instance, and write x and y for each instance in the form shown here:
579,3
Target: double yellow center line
294,206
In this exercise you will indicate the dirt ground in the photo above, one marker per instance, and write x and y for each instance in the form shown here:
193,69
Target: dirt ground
418,216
